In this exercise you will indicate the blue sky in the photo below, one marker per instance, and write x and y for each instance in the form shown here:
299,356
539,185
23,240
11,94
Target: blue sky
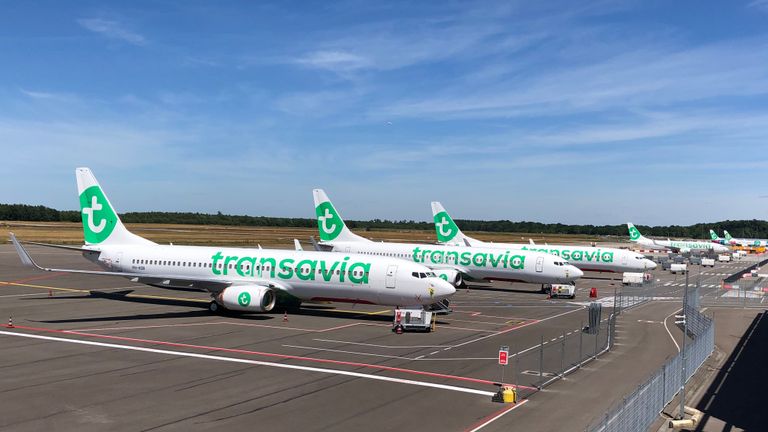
573,112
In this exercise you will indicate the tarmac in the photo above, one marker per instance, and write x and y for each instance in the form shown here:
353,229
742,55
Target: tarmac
96,353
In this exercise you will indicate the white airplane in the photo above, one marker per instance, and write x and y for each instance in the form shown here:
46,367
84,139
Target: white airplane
744,242
673,245
586,258
453,263
242,279
716,238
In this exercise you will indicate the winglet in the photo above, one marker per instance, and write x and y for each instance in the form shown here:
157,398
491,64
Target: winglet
530,240
297,245
26,260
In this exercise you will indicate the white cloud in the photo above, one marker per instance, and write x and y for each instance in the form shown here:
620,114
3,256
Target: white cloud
112,30
334,61
40,95
632,79
761,5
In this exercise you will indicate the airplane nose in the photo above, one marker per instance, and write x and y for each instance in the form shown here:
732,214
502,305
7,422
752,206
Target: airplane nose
573,273
648,264
443,289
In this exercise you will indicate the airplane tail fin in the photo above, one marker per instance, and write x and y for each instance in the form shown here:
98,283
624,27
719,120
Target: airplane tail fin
101,224
634,233
727,235
447,230
329,223
713,235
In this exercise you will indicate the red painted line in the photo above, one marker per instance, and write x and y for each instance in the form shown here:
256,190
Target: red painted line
491,418
34,278
258,353
338,327
517,326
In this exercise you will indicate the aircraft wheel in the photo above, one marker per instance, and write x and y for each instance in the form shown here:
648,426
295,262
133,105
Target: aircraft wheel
214,307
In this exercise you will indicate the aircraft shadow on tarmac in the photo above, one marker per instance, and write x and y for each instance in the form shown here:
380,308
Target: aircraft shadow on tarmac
201,309
735,395
505,290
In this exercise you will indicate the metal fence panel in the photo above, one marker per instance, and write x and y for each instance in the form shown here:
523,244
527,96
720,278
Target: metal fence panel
638,410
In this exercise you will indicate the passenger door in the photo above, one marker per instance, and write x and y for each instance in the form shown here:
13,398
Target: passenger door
540,264
389,280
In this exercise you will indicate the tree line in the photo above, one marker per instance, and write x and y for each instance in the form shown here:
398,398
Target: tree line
737,228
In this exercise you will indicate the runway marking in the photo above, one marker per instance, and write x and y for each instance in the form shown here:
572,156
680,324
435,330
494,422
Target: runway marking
477,313
221,323
40,277
669,332
75,290
493,417
526,324
379,346
252,362
349,352
484,322
363,312
247,352
149,326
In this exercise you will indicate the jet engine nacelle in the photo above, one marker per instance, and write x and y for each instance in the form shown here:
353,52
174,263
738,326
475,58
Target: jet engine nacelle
248,298
453,277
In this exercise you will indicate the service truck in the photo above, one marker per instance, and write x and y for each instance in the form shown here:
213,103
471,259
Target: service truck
707,262
412,319
560,290
632,279
678,268
724,258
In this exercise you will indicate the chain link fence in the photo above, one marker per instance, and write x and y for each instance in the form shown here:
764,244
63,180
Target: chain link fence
638,411
556,356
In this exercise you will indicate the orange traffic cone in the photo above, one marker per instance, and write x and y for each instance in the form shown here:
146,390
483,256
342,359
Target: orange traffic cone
285,316
10,321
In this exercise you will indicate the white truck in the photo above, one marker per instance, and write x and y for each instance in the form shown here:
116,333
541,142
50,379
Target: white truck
560,290
707,262
633,279
412,320
678,268
724,258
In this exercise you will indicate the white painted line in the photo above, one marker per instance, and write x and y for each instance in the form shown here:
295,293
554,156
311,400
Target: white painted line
379,346
670,333
518,327
498,416
348,352
252,362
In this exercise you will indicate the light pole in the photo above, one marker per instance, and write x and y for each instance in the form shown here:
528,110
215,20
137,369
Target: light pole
684,321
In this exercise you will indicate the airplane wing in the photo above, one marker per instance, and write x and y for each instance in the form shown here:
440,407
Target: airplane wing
465,272
320,247
212,285
77,248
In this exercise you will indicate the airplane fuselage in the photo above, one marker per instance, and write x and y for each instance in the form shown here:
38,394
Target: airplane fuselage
306,275
477,263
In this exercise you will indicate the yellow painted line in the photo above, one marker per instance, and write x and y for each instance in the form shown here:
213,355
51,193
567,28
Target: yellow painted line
88,291
514,321
44,287
363,312
167,298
